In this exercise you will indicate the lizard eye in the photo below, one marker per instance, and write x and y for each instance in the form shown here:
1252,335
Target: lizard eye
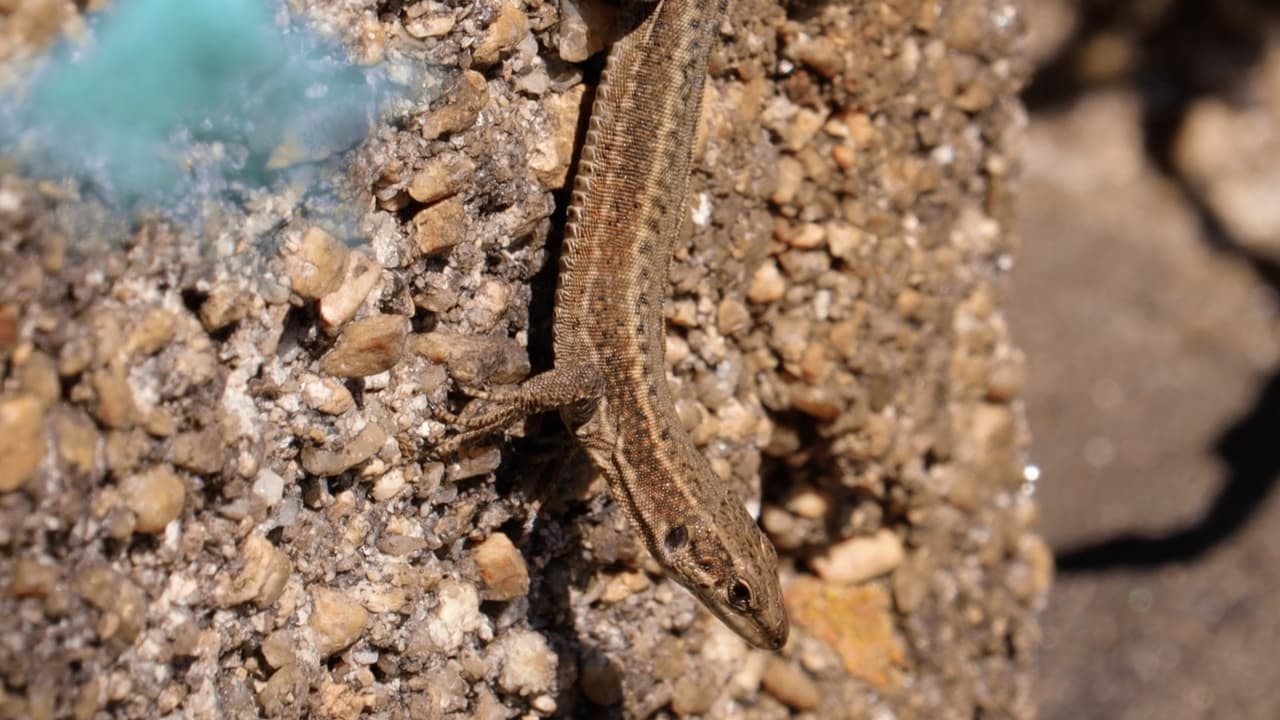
739,595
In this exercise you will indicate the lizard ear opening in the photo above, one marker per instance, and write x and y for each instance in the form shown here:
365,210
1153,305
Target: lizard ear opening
677,538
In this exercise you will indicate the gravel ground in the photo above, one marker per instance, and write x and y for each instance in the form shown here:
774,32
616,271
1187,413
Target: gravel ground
216,501
1146,298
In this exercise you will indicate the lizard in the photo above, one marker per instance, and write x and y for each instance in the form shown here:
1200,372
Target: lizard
609,375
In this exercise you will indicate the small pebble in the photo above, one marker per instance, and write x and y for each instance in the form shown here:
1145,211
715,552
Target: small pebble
155,496
327,395
360,277
22,440
317,268
504,33
459,108
790,684
859,559
528,664
367,347
442,176
326,462
439,227
336,620
502,568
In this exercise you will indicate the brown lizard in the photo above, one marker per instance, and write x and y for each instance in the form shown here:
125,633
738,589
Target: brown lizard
609,380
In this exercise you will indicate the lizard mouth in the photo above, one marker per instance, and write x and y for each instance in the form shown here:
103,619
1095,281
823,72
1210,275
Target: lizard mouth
762,632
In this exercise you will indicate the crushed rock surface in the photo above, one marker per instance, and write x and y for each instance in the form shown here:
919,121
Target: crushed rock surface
217,499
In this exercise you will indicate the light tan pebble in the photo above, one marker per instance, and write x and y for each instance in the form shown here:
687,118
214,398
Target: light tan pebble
1008,378
124,450
441,176
115,408
459,108
336,620
586,26
121,603
808,502
677,349
279,648
487,706
859,559
226,304
327,395
38,377
430,26
536,83
360,276
151,333
367,347
787,182
807,237
89,701
1039,556
623,585
844,155
159,423
818,402
767,284
732,317
22,439
693,695
799,132
439,227
862,130
325,462
476,463
155,496
974,98
790,684
504,33
528,664
120,524
284,690
488,305
843,240
819,54
502,568
199,451
389,485
551,158
815,364
76,355
381,598
789,337
32,578
317,268
544,704
456,615
261,578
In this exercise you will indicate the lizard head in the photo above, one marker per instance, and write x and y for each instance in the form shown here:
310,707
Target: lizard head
726,561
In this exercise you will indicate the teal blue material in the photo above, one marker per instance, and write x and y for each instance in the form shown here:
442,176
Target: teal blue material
171,98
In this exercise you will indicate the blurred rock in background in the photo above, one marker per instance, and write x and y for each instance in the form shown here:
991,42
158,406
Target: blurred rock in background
1146,298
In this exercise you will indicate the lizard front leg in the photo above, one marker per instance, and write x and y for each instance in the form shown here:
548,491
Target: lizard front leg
552,390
